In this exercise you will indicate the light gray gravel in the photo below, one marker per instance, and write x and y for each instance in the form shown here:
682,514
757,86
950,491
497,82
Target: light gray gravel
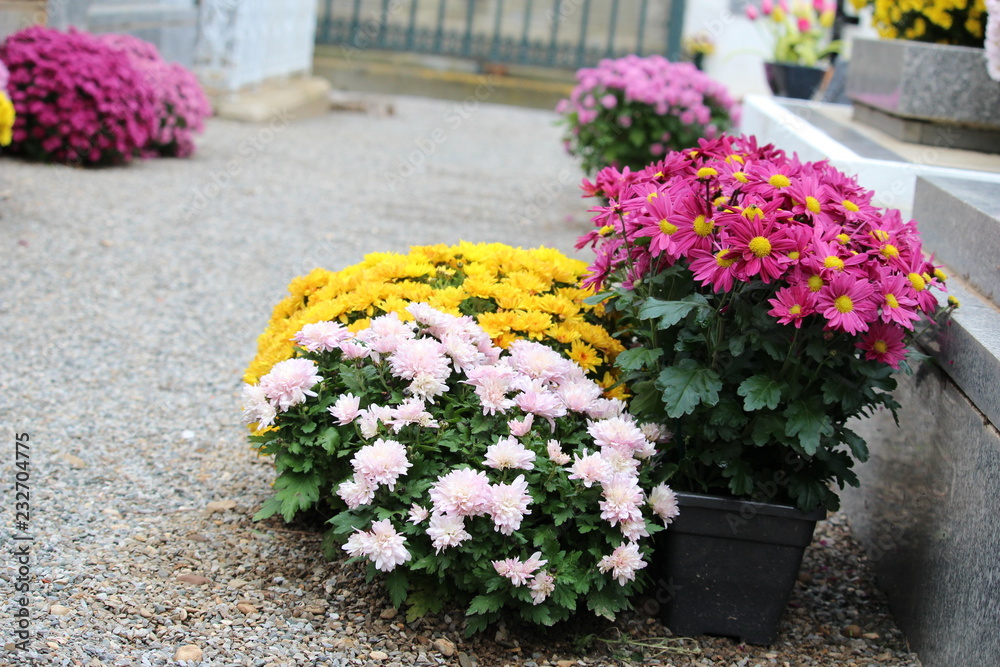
130,300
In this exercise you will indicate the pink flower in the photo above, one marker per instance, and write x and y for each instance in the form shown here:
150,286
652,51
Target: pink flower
884,342
618,433
385,333
412,358
322,336
509,453
623,563
519,427
381,462
463,492
590,468
541,586
846,302
345,408
752,12
290,381
579,395
352,350
356,492
897,304
418,514
792,304
664,502
606,408
411,411
542,403
622,498
253,398
508,504
633,530
556,454
382,545
519,572
447,530
492,384
538,361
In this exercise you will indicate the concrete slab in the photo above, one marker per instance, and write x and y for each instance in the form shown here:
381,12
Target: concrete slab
297,98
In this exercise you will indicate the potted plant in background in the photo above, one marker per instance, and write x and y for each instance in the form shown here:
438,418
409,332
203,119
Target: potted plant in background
801,34
926,80
697,46
764,302
629,111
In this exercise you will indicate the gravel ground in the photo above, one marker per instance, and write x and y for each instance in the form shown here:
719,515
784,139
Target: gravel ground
130,300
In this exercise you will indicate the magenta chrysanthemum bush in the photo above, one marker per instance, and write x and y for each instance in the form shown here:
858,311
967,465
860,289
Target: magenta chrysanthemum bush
182,106
497,478
85,99
633,110
766,302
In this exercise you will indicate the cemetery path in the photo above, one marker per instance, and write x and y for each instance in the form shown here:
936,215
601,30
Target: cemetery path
130,300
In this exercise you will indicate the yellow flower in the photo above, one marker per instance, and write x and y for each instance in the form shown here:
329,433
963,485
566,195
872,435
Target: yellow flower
587,357
527,294
6,120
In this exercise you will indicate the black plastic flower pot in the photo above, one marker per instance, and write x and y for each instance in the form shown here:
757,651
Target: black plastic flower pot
795,81
726,567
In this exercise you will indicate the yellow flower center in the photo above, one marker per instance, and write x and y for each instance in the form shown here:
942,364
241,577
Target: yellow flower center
843,304
703,227
953,301
880,346
850,206
605,230
917,281
891,301
795,310
812,204
889,250
741,177
707,172
720,200
843,238
734,158
940,275
779,181
881,235
652,195
795,254
815,283
834,262
751,212
721,260
667,228
759,246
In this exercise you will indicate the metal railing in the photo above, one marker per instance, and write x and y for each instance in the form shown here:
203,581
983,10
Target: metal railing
548,33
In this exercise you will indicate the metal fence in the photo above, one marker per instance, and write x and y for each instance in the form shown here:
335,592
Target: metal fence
549,33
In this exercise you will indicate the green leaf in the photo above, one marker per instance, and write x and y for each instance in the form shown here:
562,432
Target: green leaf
270,507
329,439
637,358
347,522
808,422
308,427
484,604
759,391
669,312
398,586
422,603
597,298
686,386
857,444
607,601
296,491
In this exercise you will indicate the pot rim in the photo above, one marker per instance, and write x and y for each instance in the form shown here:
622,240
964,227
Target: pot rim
728,504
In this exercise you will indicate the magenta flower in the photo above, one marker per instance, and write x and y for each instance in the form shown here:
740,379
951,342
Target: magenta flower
758,241
792,304
847,304
884,342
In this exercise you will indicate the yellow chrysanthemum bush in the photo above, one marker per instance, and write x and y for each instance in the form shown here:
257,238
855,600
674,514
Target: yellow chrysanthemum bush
958,22
511,292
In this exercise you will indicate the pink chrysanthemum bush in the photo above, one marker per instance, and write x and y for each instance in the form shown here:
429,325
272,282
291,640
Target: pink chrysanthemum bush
6,109
181,104
500,479
765,302
630,111
97,100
